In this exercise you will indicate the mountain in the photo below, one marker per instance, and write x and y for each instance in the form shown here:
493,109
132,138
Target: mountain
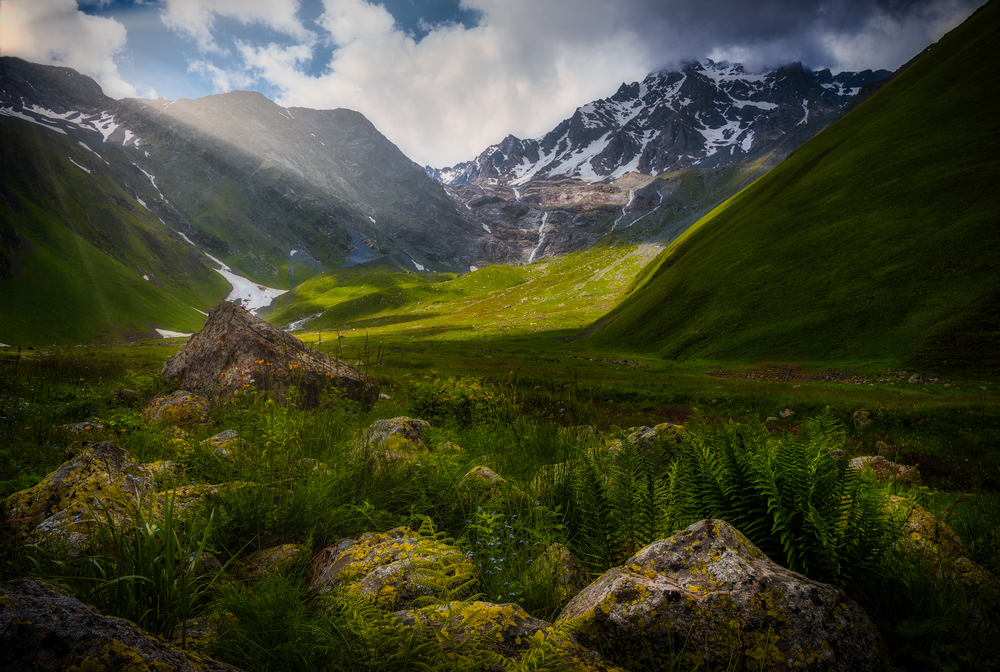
704,115
875,241
247,179
122,208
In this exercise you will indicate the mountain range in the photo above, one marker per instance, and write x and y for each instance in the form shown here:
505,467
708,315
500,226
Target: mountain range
704,115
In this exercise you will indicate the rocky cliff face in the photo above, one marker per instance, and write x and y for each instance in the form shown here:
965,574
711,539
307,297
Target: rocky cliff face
706,114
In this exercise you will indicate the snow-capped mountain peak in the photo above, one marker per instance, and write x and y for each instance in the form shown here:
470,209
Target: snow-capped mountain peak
671,120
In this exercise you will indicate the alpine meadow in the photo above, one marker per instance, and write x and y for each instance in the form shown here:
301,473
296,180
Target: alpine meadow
704,378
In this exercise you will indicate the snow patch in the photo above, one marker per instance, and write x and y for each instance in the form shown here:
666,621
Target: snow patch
371,218
487,229
166,333
145,277
7,112
473,269
142,203
86,170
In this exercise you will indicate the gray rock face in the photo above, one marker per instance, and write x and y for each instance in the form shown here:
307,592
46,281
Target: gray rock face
43,628
710,597
237,351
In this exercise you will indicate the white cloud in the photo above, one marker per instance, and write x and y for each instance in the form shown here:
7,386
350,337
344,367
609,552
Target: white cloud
55,32
222,80
196,18
445,98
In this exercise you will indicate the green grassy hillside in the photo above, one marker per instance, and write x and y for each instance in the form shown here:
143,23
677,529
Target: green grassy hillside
82,249
875,241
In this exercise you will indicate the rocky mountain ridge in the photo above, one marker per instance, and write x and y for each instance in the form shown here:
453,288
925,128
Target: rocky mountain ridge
247,179
707,114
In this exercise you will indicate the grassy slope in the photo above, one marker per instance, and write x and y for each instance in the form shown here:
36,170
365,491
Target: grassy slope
875,241
80,277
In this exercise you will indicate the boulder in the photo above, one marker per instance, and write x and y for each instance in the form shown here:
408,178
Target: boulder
384,566
862,419
644,438
706,597
43,628
504,629
276,560
556,570
179,409
883,468
237,351
787,413
400,434
61,508
929,537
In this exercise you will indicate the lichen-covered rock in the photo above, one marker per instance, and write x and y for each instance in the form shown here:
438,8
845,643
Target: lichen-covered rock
709,597
101,480
482,483
556,570
275,560
43,628
929,537
505,629
224,443
384,566
400,434
181,409
449,447
237,352
884,469
861,419
77,428
644,438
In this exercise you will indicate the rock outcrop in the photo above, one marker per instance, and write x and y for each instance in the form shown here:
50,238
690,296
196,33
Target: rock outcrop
386,566
237,352
708,597
43,628
179,409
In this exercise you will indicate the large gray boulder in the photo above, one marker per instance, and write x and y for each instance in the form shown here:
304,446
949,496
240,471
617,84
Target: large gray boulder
237,351
709,597
43,628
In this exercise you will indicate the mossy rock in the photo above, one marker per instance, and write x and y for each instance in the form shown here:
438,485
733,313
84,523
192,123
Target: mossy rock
504,629
100,481
708,597
180,409
930,538
556,571
42,627
384,566
275,560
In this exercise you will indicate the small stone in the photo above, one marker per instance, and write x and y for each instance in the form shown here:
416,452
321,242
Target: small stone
882,447
862,419
917,378
787,413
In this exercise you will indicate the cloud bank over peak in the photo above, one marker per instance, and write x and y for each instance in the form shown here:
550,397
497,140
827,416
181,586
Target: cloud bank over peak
445,78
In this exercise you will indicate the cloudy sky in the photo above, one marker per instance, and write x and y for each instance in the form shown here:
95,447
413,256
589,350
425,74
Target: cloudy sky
445,78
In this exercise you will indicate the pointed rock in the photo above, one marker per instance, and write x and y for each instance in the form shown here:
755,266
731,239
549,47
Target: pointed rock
237,351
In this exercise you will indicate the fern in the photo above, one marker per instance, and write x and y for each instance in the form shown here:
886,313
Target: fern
787,494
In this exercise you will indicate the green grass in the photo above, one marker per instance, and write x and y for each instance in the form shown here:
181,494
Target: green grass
501,421
874,241
88,246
